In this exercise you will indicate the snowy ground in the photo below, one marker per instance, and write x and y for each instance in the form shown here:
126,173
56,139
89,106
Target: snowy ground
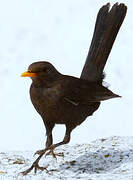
60,32
103,159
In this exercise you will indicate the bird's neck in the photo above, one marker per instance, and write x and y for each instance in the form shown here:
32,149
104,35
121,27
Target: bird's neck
45,81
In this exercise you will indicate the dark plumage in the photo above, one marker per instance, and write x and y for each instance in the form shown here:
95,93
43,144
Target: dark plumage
61,99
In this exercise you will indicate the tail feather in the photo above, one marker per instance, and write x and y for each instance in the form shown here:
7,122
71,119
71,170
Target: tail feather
104,96
107,96
107,26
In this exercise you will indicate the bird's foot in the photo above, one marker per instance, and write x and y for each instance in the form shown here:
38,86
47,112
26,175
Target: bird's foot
51,152
43,151
48,151
39,152
35,166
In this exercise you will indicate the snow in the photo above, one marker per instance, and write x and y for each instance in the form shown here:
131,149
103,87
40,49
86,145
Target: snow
102,159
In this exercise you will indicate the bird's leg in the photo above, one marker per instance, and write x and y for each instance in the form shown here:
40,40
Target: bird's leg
35,164
65,141
49,128
50,149
49,141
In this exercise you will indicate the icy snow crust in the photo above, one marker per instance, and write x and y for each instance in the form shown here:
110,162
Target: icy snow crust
103,159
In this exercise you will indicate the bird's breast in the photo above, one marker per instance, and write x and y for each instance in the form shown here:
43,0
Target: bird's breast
45,100
51,94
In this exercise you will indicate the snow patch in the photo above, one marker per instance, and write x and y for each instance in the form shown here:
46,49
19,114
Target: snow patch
109,158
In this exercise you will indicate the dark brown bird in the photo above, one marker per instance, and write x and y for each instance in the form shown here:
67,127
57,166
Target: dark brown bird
62,99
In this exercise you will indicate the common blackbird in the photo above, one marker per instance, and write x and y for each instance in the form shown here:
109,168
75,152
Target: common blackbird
62,99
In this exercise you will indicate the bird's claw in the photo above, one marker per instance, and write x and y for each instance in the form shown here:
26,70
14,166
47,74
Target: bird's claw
24,173
51,152
36,167
54,154
39,152
48,151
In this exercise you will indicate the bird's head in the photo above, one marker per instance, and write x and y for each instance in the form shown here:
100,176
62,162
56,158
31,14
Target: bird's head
41,71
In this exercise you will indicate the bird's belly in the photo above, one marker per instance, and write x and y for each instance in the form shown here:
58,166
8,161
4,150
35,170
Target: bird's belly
63,113
52,107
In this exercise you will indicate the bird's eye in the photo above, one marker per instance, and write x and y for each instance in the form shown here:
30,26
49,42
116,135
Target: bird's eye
46,70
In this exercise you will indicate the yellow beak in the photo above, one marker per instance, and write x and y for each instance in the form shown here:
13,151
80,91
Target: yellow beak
28,74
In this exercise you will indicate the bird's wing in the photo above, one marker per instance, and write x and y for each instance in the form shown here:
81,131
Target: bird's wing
82,91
